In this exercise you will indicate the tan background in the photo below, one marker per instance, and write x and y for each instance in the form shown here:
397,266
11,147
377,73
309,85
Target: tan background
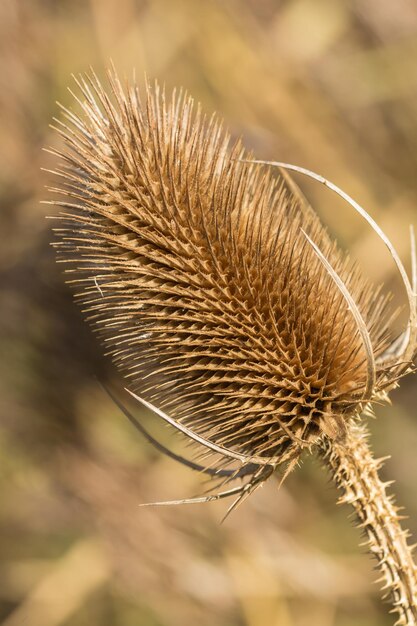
330,85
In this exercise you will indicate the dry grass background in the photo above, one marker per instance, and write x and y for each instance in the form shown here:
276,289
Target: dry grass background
328,85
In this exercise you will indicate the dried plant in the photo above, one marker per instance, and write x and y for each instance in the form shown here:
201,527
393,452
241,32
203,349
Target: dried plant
227,306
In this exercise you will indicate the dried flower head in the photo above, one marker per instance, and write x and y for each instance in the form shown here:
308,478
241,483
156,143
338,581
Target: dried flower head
215,287
225,303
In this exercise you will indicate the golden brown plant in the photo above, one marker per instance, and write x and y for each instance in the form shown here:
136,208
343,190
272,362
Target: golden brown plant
227,306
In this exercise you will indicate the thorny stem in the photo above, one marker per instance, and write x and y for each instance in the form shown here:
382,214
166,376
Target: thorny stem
355,472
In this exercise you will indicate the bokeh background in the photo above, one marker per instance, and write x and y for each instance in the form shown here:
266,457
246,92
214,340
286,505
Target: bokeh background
327,85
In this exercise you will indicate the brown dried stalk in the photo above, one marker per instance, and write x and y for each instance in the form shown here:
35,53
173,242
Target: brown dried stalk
227,306
355,471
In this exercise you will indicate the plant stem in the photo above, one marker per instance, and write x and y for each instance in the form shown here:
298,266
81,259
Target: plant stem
355,472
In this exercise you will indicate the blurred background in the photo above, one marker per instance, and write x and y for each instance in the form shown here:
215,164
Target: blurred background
328,85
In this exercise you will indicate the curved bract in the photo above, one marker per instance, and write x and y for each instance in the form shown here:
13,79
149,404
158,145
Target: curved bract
404,349
363,331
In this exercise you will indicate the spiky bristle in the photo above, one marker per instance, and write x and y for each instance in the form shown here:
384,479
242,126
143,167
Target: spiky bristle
195,269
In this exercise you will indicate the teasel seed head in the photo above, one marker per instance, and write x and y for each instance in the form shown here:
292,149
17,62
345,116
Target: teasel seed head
214,286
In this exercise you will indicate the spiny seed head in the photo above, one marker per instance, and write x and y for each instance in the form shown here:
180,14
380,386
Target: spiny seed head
203,276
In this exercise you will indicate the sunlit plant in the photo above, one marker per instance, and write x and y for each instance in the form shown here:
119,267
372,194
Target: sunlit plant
227,306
